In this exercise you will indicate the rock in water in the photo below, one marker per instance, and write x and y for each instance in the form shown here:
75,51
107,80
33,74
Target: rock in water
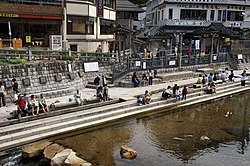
34,149
128,153
73,160
50,151
60,157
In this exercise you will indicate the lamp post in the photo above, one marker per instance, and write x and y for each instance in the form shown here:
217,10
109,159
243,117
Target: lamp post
212,49
181,40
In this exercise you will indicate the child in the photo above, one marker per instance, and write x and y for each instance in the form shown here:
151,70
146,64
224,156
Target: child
177,93
184,92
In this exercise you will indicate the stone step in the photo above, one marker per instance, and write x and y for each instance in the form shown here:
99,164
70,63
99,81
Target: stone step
129,84
23,138
74,116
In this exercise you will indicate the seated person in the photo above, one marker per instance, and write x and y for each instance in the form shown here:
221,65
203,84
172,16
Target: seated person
146,97
21,106
43,103
199,80
213,87
140,100
105,92
144,79
167,93
223,76
208,89
78,97
231,76
32,105
99,93
135,80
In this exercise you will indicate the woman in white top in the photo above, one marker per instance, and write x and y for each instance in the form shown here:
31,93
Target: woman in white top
33,105
2,94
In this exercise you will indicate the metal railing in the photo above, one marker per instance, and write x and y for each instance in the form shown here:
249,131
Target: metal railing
165,62
30,54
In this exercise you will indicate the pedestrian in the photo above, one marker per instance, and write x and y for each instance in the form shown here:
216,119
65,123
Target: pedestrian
97,80
15,86
102,81
174,89
2,94
150,77
43,104
99,49
136,82
146,97
32,105
105,93
184,92
243,78
167,92
99,93
78,97
144,79
231,76
21,106
177,93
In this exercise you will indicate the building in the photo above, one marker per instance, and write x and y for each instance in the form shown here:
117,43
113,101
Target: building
31,21
197,25
81,25
88,24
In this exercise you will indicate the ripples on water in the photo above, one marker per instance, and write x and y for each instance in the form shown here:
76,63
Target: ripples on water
153,137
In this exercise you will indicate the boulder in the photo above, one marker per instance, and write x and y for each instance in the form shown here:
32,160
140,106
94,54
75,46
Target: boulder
60,157
73,160
34,149
50,151
127,153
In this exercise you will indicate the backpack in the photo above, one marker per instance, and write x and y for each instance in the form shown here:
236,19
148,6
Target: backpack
97,80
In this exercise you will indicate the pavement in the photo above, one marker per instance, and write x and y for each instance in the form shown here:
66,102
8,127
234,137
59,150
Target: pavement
115,92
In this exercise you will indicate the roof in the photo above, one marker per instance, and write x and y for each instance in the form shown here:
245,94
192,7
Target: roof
217,28
11,8
127,6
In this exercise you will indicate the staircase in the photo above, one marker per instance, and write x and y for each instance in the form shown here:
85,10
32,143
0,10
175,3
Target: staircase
33,128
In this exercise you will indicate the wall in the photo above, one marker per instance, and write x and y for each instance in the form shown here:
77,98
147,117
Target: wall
52,79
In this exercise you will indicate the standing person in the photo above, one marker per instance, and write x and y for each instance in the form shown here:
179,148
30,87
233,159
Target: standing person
97,80
174,89
231,76
78,97
21,106
144,79
15,86
105,93
184,92
99,93
243,78
150,77
32,105
43,104
177,93
99,48
103,81
2,94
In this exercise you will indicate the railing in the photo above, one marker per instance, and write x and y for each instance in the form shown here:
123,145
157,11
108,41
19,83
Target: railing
39,2
166,62
30,54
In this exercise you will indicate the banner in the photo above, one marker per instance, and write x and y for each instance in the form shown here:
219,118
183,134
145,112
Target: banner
56,42
100,8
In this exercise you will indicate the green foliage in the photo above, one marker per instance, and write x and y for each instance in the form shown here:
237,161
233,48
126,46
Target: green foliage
13,61
71,58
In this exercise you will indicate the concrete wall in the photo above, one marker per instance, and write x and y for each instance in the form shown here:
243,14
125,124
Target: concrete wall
36,73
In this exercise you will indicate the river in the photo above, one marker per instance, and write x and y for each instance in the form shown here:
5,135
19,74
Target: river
171,139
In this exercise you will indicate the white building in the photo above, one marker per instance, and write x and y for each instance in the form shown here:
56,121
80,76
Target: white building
87,24
179,19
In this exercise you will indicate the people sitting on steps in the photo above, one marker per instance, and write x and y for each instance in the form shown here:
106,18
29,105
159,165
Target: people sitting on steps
135,80
43,104
146,97
167,93
231,76
144,80
211,88
21,106
223,76
199,79
33,105
78,97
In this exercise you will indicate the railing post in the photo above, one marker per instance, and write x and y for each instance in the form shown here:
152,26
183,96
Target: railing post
29,54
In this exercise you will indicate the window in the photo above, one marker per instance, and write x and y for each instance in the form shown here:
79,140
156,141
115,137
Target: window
170,15
80,25
162,14
109,3
106,27
234,16
187,14
212,15
159,15
219,15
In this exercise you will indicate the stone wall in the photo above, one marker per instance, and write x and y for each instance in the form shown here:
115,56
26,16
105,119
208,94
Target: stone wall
53,79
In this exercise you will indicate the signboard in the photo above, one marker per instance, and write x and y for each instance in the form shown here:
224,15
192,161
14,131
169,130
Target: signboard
240,56
28,39
137,63
171,63
55,42
91,66
8,15
197,44
144,65
100,8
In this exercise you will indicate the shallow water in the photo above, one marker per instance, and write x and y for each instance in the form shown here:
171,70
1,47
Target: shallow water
157,138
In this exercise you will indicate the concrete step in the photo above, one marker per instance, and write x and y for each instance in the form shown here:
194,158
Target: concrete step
23,137
129,84
93,86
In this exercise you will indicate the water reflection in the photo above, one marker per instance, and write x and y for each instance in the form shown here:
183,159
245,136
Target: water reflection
154,137
173,139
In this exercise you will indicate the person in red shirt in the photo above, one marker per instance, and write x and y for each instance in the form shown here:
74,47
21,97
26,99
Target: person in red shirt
21,106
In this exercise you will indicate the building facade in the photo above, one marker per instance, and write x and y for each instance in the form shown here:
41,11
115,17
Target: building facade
179,20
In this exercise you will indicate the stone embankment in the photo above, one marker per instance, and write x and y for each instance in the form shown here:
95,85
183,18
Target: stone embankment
59,122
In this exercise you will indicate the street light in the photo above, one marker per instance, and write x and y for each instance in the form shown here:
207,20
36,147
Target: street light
181,39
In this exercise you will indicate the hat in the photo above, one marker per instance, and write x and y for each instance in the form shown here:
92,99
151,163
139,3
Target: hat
21,95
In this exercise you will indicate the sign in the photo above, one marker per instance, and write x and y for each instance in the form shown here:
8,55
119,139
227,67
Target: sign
240,56
137,63
144,65
28,39
197,44
171,63
100,8
8,15
91,66
55,42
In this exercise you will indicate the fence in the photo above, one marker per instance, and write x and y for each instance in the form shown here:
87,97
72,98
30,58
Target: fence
166,62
